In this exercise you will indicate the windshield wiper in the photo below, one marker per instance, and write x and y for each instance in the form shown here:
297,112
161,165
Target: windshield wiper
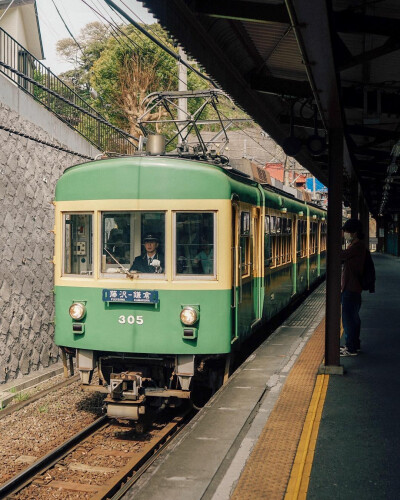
126,271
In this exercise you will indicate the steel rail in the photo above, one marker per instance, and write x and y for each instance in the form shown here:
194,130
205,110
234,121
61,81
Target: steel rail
25,477
137,475
11,409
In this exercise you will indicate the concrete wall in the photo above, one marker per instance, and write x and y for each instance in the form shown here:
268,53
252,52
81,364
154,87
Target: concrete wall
28,173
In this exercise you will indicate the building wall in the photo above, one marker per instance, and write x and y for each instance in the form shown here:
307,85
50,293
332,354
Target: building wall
12,23
29,169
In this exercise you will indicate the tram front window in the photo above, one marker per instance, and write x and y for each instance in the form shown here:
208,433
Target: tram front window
78,238
133,241
195,244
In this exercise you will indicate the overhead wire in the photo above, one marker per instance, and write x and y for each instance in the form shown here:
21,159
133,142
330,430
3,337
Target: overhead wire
66,27
157,42
113,31
130,41
141,20
116,26
252,138
5,12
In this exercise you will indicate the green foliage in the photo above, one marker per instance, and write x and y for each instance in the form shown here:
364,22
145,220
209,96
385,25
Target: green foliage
115,71
43,409
122,67
21,396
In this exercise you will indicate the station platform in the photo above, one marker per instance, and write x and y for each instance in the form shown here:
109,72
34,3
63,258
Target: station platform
279,430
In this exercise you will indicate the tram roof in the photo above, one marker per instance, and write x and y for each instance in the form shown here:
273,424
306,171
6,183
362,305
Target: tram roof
340,54
164,177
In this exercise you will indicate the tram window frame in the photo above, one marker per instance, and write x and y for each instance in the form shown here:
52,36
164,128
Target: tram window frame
279,242
191,276
323,243
267,242
273,241
244,243
287,241
86,235
313,237
140,225
273,224
302,238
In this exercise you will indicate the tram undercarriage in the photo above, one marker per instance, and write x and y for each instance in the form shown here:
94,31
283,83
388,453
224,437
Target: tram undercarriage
136,386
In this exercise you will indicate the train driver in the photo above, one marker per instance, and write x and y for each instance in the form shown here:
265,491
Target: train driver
151,261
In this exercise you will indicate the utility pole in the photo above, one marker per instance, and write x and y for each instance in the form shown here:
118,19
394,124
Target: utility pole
286,172
182,86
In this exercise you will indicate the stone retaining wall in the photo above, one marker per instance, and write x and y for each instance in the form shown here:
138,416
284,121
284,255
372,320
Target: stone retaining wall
28,174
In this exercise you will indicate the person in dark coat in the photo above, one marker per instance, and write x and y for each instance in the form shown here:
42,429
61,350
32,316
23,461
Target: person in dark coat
353,259
151,261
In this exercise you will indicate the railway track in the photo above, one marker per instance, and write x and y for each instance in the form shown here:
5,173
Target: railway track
94,463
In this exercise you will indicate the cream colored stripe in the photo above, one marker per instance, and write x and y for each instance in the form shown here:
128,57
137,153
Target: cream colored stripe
224,257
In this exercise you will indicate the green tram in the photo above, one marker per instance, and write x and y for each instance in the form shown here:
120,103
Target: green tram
229,255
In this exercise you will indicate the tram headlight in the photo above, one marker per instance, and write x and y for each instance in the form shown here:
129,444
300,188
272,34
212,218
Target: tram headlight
189,315
77,311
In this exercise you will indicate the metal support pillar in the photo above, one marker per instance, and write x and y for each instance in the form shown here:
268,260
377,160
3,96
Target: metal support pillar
334,240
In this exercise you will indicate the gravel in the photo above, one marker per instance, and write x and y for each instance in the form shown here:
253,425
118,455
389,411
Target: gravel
39,427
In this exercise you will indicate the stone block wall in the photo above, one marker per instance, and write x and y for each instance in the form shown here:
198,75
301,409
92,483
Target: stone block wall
29,170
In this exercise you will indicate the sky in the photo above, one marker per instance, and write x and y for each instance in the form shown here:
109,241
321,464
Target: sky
76,15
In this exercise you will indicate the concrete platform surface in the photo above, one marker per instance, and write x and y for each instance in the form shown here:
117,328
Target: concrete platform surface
357,452
208,457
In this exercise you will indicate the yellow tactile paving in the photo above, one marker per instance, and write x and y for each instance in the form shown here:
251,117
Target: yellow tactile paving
268,468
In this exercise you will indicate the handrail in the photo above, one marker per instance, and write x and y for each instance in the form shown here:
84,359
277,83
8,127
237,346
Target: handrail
31,76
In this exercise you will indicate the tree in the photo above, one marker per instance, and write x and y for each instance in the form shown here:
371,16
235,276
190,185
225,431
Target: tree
122,67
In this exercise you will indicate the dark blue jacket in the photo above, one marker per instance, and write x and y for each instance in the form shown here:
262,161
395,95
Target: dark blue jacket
140,264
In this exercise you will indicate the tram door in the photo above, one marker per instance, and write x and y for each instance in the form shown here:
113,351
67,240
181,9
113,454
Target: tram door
246,268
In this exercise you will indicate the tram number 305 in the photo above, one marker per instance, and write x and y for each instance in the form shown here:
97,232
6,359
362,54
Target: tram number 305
130,320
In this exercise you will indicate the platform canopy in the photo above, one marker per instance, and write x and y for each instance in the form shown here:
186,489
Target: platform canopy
279,60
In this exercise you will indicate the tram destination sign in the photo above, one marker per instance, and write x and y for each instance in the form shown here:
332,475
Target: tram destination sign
141,296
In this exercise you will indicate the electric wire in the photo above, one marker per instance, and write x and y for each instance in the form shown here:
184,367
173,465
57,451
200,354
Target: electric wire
130,41
157,42
5,12
113,32
141,20
252,138
66,26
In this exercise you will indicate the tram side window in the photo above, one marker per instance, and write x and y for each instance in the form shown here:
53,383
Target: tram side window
267,242
323,236
78,241
287,240
245,243
273,240
124,238
302,237
195,245
278,241
313,238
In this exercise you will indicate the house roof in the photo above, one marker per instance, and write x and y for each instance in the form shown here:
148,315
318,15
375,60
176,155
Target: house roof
30,36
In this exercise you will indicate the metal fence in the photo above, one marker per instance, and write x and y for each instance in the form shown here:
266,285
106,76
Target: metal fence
30,75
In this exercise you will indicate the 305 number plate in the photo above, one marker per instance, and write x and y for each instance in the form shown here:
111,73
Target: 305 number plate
130,320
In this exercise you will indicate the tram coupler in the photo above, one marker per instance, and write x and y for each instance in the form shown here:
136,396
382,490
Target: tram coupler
125,385
125,408
125,400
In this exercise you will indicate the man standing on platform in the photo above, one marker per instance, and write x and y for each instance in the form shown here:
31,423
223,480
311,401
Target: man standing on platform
353,259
